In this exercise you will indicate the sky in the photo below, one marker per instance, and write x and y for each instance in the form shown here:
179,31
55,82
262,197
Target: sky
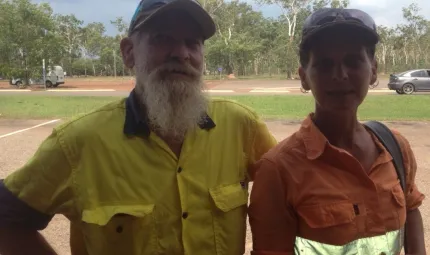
385,12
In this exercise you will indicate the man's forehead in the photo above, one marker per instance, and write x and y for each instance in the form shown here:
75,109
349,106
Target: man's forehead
175,22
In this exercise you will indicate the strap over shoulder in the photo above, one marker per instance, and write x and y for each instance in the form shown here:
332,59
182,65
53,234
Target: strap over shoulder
390,142
387,138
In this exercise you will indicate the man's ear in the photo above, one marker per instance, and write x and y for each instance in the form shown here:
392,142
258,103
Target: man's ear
374,76
126,46
302,75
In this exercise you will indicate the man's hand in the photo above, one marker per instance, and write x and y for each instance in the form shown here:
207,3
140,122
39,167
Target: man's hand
23,242
415,233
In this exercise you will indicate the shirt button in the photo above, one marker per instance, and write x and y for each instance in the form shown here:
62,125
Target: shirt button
185,215
179,169
119,229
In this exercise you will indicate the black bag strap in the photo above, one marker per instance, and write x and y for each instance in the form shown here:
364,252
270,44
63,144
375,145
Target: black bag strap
390,142
387,138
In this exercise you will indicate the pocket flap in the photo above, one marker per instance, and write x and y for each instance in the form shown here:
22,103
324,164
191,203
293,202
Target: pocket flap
328,215
101,215
228,197
399,195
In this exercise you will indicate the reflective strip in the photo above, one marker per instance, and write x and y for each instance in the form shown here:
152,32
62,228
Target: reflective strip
391,243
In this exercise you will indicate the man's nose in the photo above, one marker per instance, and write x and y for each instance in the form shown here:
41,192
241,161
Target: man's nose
180,51
340,73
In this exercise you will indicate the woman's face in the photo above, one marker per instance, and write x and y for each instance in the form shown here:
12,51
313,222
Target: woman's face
338,73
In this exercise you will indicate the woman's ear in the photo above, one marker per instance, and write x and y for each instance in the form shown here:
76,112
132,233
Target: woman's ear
302,75
374,75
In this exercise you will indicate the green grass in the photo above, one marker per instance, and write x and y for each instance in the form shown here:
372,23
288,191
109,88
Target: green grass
375,107
45,107
293,107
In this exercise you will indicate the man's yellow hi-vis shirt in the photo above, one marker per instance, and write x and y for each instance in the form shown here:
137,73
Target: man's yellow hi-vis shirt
127,193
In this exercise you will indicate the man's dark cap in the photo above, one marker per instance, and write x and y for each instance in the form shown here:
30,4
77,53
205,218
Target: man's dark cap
148,9
333,19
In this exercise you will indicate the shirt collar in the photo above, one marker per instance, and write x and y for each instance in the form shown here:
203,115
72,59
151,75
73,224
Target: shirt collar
315,142
136,121
313,139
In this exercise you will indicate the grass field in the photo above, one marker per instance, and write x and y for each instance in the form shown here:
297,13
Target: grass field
378,107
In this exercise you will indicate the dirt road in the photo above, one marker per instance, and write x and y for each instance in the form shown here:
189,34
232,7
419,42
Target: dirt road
18,148
233,85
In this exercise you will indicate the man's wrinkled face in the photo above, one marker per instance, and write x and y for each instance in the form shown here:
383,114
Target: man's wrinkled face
168,57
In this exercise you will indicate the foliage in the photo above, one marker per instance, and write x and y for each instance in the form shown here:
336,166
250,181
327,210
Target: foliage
246,42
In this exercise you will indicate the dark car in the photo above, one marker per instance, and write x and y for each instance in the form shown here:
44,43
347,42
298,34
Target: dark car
410,81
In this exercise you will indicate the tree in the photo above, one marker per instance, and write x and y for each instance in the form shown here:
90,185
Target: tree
122,28
246,42
69,27
27,36
92,36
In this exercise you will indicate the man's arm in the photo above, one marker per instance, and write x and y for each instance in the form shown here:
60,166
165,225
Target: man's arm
30,197
262,142
20,222
30,242
273,222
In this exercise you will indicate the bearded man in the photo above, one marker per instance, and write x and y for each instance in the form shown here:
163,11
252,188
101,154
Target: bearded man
163,171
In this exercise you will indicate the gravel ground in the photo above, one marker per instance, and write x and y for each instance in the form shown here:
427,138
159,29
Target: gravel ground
18,148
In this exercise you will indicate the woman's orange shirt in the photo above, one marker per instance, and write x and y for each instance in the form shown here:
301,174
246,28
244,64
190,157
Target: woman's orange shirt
306,187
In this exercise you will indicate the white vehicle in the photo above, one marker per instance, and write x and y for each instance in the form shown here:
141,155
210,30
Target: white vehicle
54,77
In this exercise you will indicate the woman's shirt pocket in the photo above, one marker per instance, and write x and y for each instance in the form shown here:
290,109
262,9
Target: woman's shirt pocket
331,223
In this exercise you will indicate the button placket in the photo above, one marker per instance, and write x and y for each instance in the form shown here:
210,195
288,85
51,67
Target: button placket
185,215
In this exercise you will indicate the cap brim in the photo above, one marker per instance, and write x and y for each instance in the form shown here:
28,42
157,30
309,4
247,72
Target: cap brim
193,9
370,35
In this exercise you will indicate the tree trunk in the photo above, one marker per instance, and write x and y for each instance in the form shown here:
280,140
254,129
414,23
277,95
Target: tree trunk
256,66
94,68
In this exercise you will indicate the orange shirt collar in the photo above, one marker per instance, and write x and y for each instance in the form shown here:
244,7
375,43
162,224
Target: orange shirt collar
313,139
315,142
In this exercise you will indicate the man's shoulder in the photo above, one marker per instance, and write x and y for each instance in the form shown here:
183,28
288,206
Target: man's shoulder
232,108
97,119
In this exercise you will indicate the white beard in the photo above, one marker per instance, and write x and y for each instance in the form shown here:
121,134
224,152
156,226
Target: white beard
173,107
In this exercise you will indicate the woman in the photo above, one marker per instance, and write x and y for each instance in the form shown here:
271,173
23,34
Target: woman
331,187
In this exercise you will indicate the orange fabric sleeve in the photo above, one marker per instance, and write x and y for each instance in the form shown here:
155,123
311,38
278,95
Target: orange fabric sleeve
414,197
273,221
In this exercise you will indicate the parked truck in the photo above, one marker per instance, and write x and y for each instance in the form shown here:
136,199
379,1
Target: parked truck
54,78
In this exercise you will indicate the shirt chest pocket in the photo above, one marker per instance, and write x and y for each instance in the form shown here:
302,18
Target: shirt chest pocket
229,218
395,197
332,223
119,230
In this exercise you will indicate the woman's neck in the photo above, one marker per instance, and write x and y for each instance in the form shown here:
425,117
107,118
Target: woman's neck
339,129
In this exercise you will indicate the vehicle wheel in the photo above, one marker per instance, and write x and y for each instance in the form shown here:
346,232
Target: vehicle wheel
18,83
408,88
48,84
399,91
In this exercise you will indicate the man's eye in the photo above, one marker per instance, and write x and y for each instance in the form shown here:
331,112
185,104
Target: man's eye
192,42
